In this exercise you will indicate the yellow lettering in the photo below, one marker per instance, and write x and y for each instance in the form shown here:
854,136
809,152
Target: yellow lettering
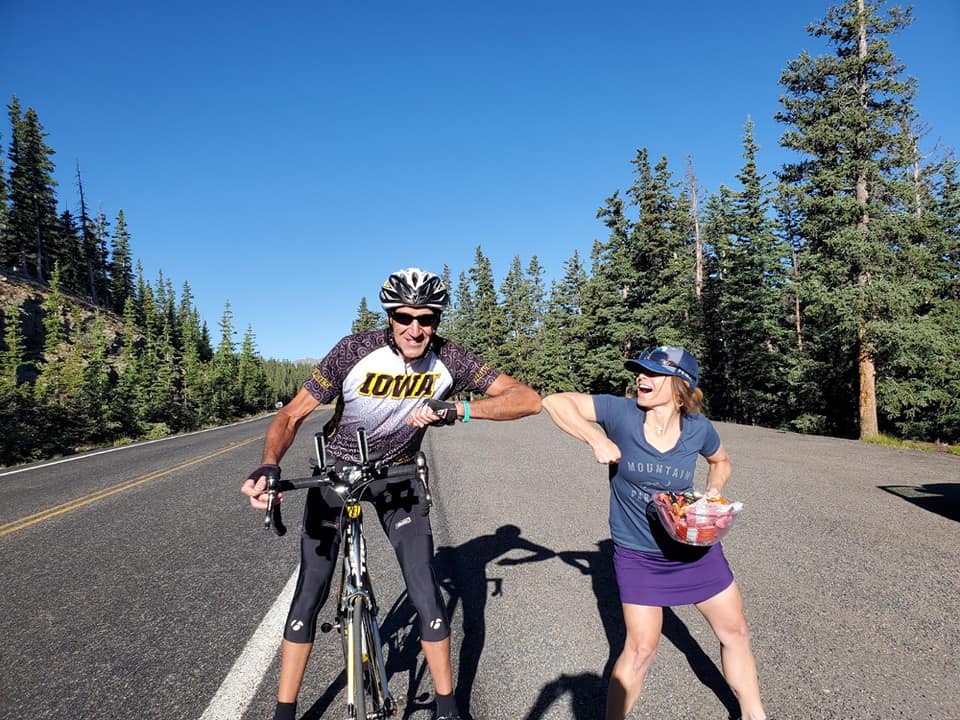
404,385
320,379
367,382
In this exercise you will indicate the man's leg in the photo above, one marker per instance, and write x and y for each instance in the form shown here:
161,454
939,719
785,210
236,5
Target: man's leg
409,531
293,663
319,544
437,655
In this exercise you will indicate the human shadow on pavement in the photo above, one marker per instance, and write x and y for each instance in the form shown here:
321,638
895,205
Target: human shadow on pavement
588,690
462,573
940,498
329,697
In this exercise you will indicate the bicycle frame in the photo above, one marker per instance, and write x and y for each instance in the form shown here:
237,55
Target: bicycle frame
356,618
356,607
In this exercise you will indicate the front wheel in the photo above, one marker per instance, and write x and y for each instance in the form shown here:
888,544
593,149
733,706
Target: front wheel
355,664
382,704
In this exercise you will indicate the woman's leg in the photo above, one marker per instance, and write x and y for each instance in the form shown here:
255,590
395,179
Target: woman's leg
626,679
724,612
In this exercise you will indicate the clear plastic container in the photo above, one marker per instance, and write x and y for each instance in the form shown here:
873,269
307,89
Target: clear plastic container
694,520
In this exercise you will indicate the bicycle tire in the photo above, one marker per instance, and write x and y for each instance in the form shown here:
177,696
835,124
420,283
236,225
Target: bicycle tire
380,701
355,648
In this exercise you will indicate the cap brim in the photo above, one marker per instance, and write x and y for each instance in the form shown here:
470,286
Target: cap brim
636,366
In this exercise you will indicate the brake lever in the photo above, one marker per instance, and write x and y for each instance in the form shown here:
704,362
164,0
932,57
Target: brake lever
272,517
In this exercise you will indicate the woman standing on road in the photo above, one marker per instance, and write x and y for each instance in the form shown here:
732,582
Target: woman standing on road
651,445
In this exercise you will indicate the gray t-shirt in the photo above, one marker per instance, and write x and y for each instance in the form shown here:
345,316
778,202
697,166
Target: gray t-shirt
643,470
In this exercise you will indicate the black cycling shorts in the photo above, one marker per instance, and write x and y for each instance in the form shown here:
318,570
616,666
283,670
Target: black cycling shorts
408,528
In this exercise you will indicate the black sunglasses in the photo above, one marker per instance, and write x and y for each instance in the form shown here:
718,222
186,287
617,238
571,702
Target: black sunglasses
426,320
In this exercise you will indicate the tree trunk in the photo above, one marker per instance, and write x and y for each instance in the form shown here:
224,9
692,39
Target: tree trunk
87,241
868,372
868,391
695,214
38,239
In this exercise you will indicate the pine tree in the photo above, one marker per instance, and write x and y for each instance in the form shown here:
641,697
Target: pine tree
32,216
662,254
58,381
919,392
459,325
93,245
517,329
751,265
100,261
223,371
559,350
95,398
8,246
121,266
718,228
487,325
65,250
605,321
251,377
845,114
445,317
48,386
367,319
125,407
12,357
18,425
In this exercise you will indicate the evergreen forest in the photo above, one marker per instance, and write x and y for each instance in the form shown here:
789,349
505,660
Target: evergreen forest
821,298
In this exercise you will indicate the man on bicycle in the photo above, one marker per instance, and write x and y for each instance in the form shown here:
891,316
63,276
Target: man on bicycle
393,382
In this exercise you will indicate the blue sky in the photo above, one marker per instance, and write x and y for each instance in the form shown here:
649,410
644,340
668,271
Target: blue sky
287,156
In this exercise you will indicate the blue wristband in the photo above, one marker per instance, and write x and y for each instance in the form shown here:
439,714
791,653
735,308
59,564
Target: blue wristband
466,411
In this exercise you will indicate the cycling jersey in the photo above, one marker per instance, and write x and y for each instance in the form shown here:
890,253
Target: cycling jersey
378,389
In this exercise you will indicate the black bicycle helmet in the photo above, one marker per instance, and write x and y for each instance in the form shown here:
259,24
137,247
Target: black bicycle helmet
413,287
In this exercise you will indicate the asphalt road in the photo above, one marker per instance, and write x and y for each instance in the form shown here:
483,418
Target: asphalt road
136,583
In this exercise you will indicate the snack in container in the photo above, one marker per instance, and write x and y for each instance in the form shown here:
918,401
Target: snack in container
696,520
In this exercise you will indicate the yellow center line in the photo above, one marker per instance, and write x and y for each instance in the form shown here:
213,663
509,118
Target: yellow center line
37,517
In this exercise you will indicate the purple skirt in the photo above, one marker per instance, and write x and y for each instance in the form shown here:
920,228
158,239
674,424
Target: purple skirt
650,579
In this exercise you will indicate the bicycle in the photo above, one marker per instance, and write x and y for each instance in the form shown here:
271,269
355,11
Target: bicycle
368,694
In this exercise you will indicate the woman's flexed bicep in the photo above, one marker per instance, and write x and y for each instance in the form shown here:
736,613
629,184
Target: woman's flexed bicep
574,413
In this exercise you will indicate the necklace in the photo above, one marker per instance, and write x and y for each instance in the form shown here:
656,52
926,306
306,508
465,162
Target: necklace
660,429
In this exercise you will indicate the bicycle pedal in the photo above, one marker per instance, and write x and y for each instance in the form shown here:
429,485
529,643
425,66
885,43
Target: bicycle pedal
327,627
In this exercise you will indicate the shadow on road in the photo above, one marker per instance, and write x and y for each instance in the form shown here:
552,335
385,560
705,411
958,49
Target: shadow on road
462,572
323,702
940,498
588,690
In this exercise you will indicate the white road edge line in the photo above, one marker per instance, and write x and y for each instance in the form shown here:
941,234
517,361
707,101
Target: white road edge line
242,682
94,453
